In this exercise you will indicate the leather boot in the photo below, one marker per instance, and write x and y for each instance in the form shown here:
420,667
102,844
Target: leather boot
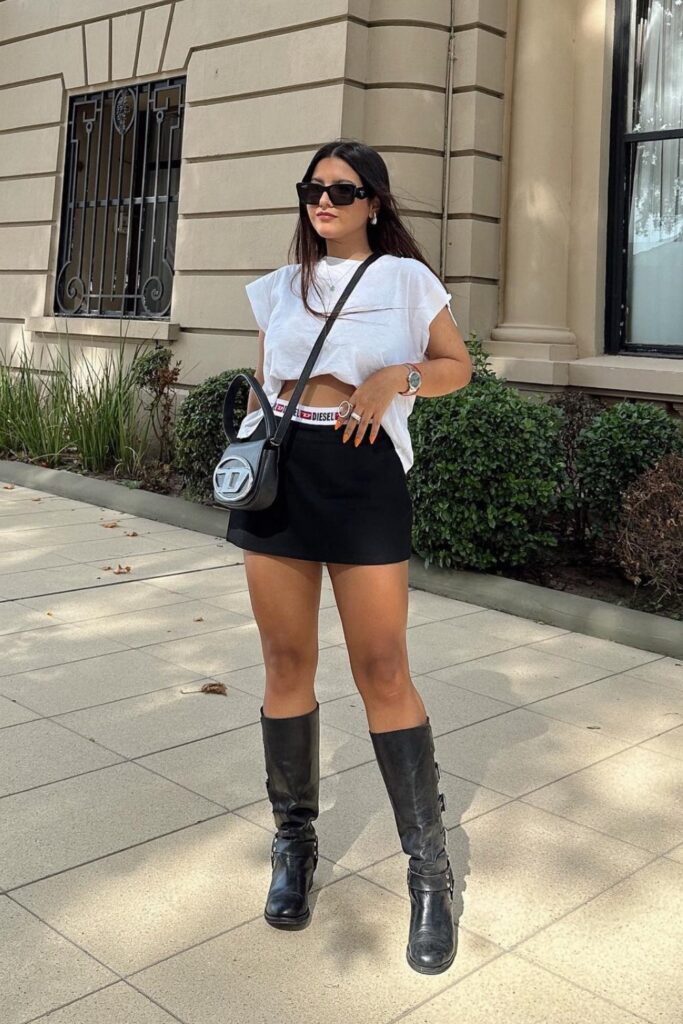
410,773
292,755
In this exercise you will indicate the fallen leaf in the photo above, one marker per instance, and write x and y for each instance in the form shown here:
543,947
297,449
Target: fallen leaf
200,618
109,526
131,533
49,613
210,688
214,688
9,487
121,569
105,567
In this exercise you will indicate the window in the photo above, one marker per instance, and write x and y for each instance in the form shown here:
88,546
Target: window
645,228
120,201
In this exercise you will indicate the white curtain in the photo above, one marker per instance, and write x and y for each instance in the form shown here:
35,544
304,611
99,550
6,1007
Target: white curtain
655,287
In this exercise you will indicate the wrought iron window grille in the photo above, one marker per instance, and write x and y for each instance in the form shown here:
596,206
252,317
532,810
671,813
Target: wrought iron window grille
120,201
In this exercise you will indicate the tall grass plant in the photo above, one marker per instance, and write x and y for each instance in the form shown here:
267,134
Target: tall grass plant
76,409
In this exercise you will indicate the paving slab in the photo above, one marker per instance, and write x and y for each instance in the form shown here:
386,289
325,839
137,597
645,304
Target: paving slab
62,824
56,689
17,618
664,670
39,969
509,990
608,796
520,675
625,944
35,753
669,742
118,1002
595,651
60,644
623,705
12,713
519,751
162,719
102,602
171,621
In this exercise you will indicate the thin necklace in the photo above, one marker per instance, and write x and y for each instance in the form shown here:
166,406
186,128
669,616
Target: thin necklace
333,286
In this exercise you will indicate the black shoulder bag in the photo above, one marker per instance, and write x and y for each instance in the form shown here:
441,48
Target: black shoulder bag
247,473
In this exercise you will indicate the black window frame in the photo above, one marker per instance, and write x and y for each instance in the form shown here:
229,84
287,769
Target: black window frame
622,152
146,211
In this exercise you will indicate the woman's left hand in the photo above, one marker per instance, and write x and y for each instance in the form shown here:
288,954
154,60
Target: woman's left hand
370,400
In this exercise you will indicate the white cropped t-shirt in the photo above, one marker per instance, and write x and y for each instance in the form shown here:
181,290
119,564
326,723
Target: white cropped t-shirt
386,321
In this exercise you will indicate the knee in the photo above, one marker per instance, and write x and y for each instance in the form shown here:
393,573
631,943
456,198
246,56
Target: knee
383,675
286,664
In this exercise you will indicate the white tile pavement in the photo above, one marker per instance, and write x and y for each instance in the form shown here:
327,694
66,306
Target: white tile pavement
135,830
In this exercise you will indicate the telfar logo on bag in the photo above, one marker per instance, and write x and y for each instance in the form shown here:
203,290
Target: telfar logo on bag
233,476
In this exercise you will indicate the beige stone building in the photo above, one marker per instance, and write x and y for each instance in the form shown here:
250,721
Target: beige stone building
149,150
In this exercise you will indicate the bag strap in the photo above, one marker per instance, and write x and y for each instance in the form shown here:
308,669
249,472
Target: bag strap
276,435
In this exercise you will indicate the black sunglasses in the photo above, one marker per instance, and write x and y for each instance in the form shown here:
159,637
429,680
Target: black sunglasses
342,193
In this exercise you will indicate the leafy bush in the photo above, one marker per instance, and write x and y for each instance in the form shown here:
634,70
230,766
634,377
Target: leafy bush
650,533
199,436
487,474
578,409
620,444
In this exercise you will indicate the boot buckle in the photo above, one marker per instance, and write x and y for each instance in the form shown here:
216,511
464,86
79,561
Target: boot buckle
442,800
438,770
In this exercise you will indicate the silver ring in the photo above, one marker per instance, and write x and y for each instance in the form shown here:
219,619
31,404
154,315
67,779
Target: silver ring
355,416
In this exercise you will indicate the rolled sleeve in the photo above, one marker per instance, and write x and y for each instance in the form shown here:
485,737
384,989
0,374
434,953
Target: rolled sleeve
427,298
259,293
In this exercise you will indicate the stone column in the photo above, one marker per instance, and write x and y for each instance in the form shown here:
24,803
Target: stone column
537,221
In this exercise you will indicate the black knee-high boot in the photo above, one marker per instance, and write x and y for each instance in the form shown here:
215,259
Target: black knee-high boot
410,773
292,754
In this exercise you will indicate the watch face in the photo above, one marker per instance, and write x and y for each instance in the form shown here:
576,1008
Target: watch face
414,379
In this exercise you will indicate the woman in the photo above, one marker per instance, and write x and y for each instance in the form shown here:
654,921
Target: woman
343,500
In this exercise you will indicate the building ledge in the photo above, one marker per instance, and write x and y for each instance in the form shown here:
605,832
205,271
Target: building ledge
658,377
103,327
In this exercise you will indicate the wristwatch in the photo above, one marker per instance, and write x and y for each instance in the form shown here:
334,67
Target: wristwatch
414,379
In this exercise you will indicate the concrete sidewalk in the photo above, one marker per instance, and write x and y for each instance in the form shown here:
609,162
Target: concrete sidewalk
135,834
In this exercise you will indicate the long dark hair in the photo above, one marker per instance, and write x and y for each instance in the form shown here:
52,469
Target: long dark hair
388,235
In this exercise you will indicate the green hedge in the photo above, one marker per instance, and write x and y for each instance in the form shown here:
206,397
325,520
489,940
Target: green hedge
620,444
487,475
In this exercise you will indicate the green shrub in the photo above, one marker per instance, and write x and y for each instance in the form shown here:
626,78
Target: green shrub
620,444
487,474
199,436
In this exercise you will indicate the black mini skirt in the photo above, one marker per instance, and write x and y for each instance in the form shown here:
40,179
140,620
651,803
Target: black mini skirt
335,502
